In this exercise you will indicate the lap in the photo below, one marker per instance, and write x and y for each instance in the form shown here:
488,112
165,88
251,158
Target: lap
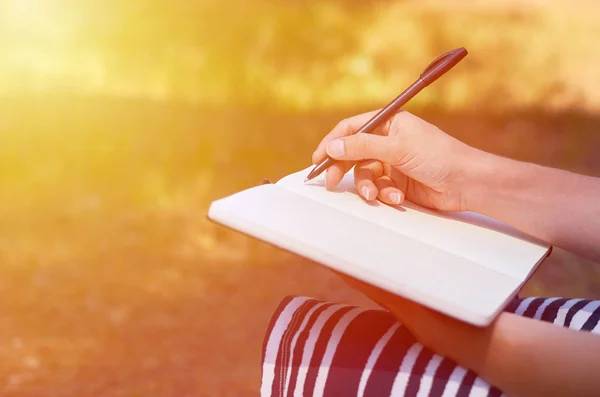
316,348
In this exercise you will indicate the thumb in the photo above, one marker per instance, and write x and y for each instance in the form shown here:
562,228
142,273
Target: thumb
361,147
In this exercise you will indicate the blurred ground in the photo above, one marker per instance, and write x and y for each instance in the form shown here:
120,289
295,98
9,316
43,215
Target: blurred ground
109,291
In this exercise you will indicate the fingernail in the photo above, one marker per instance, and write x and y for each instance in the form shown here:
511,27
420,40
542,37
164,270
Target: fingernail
365,192
335,148
395,198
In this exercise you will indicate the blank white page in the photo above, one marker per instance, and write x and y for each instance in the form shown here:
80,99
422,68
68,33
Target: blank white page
451,284
474,237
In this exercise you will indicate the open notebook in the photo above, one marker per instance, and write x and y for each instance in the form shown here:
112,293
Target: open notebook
462,264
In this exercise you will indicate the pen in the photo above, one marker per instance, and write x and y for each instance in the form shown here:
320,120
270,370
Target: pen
437,68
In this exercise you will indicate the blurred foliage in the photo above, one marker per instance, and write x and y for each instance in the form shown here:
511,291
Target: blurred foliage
331,53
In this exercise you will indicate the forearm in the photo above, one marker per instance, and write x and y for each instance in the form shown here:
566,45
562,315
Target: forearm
525,357
556,206
519,355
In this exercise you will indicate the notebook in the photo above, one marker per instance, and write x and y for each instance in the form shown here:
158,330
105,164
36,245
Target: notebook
461,264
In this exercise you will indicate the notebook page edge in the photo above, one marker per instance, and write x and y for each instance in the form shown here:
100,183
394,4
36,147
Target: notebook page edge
238,223
290,182
343,266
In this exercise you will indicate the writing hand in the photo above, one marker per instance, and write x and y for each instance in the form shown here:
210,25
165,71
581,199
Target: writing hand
406,157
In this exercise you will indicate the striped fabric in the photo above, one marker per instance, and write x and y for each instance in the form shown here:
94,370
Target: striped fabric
323,349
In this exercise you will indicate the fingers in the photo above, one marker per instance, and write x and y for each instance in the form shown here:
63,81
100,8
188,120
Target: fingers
336,172
365,173
388,192
343,128
372,180
399,186
363,146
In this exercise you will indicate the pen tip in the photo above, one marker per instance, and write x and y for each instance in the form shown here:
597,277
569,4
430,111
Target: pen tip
306,180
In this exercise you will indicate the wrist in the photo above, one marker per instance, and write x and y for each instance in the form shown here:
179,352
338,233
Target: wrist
492,179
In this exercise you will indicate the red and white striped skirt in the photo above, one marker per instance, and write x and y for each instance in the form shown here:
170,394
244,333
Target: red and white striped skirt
315,348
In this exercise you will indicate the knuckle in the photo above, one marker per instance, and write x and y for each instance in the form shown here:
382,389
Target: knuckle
403,115
342,125
405,122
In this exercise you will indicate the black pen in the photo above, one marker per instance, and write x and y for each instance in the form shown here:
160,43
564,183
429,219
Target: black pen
437,68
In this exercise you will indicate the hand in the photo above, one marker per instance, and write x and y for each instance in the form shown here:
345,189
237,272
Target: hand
404,158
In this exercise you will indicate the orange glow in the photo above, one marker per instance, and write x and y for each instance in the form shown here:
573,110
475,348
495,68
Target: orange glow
535,55
120,120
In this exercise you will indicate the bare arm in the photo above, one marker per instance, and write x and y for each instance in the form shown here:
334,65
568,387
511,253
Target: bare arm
559,207
526,357
519,355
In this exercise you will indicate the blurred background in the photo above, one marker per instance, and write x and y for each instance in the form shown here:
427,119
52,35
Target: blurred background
121,121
